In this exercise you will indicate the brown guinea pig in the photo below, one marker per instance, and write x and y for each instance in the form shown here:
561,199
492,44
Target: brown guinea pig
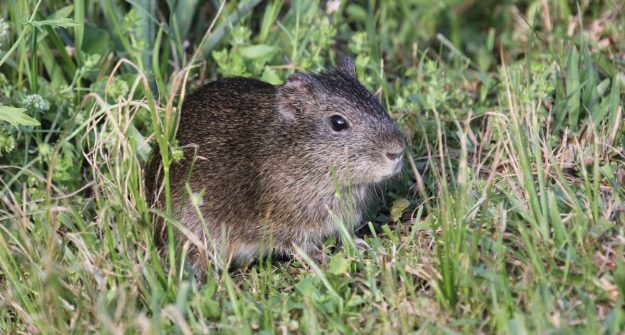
276,165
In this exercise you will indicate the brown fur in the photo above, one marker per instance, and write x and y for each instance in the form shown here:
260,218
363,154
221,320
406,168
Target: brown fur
269,164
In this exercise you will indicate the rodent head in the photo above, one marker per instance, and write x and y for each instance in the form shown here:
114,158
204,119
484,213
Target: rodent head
342,124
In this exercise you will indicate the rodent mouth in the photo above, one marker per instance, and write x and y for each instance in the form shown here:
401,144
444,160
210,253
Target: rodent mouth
382,173
397,168
375,170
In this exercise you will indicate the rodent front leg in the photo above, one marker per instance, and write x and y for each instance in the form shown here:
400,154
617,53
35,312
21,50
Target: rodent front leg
360,243
317,255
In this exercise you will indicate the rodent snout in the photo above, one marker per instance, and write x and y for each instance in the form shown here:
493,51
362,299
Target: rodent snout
395,151
394,154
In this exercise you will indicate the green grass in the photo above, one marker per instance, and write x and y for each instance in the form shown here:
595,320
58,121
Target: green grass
508,217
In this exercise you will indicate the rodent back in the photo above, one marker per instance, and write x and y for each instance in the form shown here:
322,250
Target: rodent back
223,130
226,111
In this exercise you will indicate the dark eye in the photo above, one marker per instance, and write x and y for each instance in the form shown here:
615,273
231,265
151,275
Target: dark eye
338,123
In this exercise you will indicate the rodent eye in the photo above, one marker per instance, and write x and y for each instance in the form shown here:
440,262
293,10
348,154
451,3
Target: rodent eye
338,123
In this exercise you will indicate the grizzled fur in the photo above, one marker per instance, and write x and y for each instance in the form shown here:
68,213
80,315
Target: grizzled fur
269,164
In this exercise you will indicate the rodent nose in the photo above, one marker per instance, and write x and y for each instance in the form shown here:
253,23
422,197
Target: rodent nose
395,147
394,155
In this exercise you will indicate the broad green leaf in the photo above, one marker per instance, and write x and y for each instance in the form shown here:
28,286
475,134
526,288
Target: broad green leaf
573,88
600,110
182,12
258,51
602,87
16,116
269,19
398,208
143,147
357,13
62,13
615,100
61,22
609,105
605,64
60,18
619,275
338,264
270,76
96,40
389,233
79,30
591,80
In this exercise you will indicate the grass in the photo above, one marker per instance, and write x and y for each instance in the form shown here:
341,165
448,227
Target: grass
507,218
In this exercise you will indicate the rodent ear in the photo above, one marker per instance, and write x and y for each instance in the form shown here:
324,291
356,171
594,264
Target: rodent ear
294,95
298,81
347,67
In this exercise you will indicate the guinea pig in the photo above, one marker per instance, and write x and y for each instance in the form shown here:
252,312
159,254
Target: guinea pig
275,165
